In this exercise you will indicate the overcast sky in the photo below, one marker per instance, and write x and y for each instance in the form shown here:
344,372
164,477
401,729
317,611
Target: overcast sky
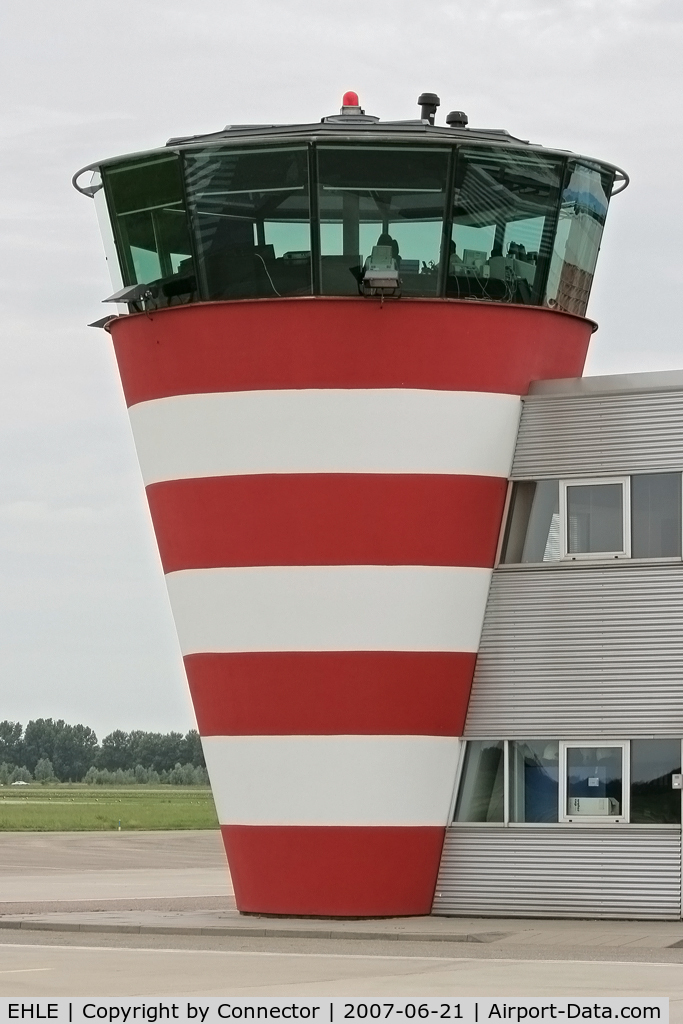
85,627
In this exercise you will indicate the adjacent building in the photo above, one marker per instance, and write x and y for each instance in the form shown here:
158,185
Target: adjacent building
569,798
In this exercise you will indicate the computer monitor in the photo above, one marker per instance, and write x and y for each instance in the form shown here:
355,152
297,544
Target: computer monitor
474,258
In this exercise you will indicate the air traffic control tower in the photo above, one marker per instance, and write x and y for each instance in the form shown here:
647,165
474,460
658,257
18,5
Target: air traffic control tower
324,331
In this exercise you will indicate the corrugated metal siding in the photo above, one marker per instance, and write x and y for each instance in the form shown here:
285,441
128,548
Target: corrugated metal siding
611,434
561,872
581,650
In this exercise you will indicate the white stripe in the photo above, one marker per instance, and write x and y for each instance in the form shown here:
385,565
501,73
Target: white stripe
332,780
453,958
328,431
329,608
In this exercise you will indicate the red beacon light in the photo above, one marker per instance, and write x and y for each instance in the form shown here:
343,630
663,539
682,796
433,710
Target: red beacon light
351,104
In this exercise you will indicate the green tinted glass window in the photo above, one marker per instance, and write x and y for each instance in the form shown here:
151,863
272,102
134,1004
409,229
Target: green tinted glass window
582,215
251,220
504,213
214,222
151,228
388,197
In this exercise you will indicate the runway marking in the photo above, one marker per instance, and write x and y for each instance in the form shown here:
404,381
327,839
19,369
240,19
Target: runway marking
27,970
124,899
339,956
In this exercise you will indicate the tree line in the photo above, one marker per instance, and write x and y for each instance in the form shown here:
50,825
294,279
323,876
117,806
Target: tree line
48,749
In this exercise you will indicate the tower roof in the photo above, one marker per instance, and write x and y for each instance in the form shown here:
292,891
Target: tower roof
353,125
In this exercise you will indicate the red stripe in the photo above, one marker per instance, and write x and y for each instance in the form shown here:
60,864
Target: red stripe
333,871
327,519
345,343
328,693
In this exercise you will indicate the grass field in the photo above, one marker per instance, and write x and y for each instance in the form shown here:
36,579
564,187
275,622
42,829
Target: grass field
77,808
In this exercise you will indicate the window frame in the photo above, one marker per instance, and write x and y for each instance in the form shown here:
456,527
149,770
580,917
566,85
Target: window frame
574,556
563,819
572,164
465,152
190,198
508,783
458,150
126,268
317,147
460,776
566,557
596,819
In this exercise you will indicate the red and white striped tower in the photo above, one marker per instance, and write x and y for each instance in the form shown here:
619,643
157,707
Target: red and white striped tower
327,471
326,479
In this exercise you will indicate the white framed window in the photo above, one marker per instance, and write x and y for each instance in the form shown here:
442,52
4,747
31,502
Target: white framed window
594,781
570,782
595,518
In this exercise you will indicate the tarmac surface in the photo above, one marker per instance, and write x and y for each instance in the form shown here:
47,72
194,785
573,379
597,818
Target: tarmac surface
43,871
154,914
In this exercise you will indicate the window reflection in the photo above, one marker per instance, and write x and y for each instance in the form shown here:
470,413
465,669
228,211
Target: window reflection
246,216
534,779
656,515
250,214
505,206
594,781
481,796
653,800
577,240
533,531
595,518
598,778
381,196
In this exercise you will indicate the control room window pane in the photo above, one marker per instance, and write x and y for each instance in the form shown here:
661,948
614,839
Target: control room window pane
656,515
594,782
583,209
595,519
504,216
381,197
251,217
481,796
653,800
151,228
532,532
534,780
